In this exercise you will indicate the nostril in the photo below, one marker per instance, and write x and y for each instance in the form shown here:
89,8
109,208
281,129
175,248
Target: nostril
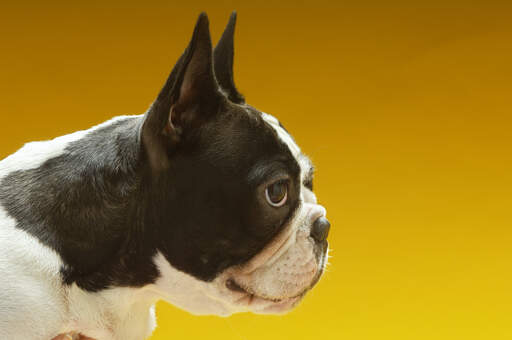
320,229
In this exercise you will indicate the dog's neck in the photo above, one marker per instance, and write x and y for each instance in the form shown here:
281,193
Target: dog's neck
117,184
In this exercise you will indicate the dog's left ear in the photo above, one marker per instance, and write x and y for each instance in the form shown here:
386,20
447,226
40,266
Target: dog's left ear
189,97
223,62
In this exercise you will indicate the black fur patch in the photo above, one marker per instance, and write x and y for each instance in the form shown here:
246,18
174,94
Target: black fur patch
84,204
187,179
104,211
211,200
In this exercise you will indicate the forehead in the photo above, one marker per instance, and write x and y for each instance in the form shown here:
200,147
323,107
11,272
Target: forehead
282,134
303,161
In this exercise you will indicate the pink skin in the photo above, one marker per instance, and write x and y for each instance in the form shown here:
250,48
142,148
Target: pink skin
64,337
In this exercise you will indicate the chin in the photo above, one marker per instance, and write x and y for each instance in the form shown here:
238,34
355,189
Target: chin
250,299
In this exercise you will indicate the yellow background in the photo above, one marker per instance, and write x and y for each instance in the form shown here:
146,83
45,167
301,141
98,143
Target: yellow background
403,106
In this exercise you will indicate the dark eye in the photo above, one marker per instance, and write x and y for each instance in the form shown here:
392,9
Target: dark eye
277,193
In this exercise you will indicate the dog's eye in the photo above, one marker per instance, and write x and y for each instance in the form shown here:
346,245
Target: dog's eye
277,193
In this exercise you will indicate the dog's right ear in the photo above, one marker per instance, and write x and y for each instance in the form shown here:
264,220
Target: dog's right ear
189,97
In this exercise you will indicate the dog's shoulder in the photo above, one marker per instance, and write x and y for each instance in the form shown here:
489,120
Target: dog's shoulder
70,193
35,182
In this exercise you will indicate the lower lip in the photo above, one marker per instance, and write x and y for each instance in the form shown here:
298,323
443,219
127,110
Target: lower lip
285,304
282,306
254,299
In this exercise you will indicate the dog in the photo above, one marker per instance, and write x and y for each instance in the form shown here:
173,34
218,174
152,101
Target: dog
202,201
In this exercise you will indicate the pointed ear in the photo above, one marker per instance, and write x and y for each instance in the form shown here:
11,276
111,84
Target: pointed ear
189,97
223,62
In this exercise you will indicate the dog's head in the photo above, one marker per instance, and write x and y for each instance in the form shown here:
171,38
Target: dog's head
236,221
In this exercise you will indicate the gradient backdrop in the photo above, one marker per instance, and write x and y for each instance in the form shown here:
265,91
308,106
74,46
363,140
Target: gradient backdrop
404,108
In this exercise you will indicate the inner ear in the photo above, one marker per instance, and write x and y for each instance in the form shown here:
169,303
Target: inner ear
198,96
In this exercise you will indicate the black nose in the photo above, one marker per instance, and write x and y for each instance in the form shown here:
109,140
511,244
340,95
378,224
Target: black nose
320,229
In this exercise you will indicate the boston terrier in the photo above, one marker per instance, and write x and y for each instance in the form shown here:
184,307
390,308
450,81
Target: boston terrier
203,201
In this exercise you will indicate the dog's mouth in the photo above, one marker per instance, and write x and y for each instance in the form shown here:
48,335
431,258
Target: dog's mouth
232,285
263,305
249,296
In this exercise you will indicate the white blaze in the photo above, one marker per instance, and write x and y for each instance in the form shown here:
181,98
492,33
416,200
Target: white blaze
283,135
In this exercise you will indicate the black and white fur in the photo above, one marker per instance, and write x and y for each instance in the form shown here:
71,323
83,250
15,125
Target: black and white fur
98,225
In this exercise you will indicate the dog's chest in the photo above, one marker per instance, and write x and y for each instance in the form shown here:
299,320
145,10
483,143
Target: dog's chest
113,314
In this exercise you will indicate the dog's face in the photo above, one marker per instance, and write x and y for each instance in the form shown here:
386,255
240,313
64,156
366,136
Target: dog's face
236,221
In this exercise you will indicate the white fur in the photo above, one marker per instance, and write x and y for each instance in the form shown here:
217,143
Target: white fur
32,301
112,314
283,135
